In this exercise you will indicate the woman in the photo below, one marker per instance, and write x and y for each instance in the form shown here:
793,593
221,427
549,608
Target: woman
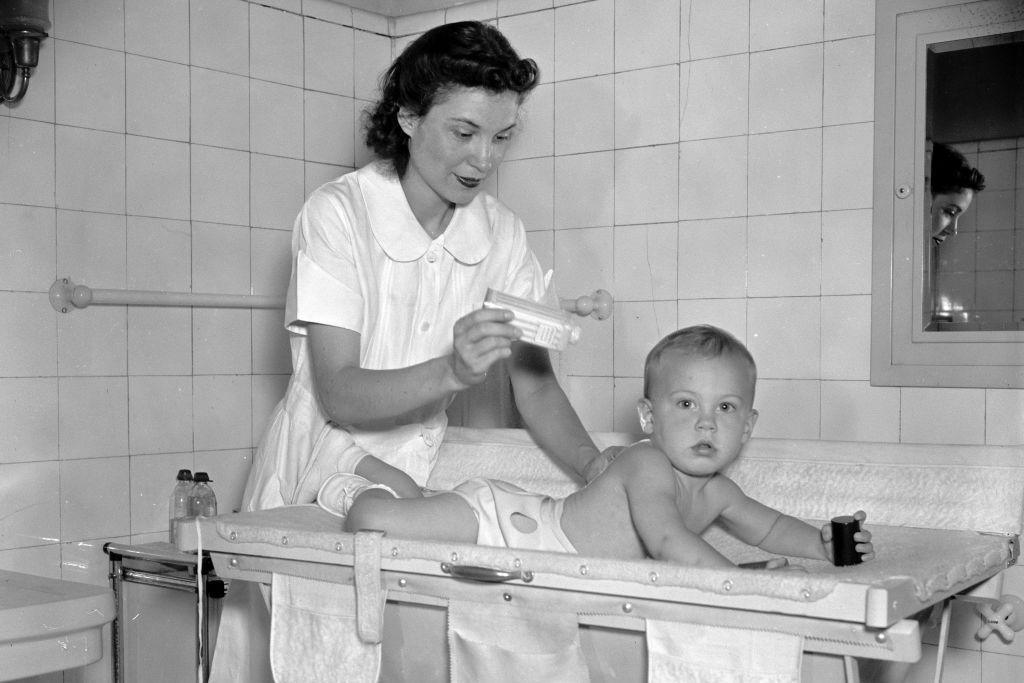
391,264
952,186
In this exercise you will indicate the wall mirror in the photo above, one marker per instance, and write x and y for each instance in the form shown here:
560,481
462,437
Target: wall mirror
948,269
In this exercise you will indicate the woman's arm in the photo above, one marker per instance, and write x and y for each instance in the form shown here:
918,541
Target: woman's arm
352,395
548,414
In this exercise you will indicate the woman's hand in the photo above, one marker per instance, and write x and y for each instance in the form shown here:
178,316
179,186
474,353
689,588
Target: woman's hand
479,340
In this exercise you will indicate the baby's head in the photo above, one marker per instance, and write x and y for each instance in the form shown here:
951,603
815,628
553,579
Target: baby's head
698,398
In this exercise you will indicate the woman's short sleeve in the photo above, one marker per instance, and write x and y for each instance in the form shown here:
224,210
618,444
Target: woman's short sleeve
325,284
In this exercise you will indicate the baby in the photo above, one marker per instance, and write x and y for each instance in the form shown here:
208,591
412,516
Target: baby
653,500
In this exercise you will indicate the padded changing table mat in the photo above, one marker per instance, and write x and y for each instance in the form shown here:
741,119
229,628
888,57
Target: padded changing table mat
840,610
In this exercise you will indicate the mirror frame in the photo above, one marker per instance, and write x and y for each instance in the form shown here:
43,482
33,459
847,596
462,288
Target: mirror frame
902,352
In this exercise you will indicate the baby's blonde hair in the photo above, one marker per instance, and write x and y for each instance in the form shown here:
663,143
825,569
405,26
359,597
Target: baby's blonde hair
703,341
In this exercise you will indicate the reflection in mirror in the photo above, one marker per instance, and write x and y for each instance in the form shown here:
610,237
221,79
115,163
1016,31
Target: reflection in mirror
974,203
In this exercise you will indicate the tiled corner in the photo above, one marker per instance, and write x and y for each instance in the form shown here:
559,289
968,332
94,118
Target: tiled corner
372,58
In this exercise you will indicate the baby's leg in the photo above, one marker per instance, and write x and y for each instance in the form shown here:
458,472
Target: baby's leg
443,517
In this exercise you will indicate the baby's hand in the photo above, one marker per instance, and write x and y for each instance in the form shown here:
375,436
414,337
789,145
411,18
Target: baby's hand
863,538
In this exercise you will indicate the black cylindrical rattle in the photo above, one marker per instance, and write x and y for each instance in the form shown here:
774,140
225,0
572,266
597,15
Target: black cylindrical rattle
844,547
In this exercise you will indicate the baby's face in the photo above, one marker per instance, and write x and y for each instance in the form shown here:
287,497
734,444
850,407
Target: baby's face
699,412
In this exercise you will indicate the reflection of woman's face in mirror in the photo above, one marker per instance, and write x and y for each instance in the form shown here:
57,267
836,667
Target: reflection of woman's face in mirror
952,185
946,210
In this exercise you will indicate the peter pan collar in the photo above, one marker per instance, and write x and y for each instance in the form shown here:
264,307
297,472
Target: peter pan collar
399,234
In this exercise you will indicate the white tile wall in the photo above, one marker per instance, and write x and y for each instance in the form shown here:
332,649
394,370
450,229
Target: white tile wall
703,160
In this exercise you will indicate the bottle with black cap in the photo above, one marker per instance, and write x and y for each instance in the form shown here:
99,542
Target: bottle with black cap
202,501
179,503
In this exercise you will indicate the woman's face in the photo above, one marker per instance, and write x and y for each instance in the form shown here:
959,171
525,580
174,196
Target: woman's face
457,145
946,209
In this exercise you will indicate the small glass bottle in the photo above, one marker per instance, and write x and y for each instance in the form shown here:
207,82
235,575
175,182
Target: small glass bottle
202,501
178,506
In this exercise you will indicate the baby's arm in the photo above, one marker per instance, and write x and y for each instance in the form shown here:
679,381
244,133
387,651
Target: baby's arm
651,492
379,472
759,525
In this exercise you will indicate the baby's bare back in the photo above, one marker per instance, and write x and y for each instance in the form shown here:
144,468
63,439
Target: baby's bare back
597,521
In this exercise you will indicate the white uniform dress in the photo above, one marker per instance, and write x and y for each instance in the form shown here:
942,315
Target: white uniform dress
361,261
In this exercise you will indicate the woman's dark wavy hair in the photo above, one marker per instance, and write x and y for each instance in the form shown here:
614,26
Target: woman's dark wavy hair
952,173
467,53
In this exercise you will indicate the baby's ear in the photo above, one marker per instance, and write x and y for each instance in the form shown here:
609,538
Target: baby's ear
748,427
646,414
